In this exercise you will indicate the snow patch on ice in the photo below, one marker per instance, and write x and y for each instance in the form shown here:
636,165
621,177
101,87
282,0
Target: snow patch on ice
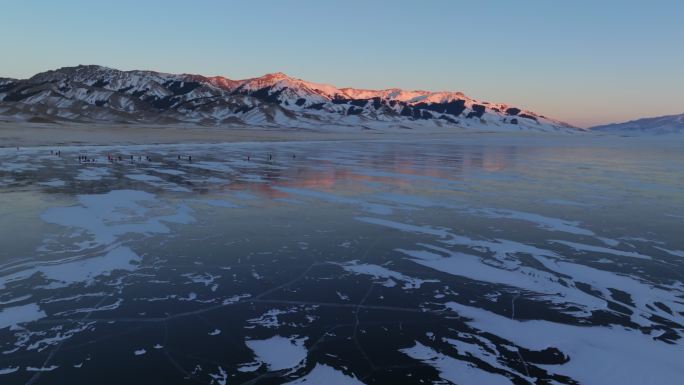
92,173
382,273
453,370
53,183
9,370
279,353
597,355
598,249
374,208
324,374
15,315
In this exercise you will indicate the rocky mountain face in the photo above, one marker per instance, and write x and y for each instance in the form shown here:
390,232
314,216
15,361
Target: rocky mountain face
99,94
669,124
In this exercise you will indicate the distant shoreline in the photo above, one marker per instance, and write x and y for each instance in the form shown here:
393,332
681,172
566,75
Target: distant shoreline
26,134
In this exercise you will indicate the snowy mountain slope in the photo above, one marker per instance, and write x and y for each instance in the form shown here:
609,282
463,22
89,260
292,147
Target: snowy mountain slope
95,93
669,124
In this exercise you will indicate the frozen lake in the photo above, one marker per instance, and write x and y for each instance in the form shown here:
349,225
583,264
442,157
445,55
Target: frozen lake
492,260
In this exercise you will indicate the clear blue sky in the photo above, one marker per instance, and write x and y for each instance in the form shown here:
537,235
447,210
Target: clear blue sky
585,62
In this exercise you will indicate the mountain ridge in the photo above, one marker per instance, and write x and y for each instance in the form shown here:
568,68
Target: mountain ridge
94,93
666,124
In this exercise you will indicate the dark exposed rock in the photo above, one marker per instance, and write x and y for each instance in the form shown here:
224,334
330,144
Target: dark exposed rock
512,111
181,88
100,83
448,119
477,112
19,94
162,103
338,100
7,86
454,107
243,109
263,94
137,94
317,106
354,111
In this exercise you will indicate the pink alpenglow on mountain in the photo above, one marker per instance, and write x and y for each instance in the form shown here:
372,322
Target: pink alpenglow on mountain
90,93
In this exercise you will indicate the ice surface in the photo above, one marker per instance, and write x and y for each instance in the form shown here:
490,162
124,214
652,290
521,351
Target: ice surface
444,260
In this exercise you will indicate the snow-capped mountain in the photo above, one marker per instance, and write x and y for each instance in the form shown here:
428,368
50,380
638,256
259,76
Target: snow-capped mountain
94,93
669,124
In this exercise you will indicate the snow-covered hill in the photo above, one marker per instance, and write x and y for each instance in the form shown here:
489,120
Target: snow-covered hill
670,124
95,93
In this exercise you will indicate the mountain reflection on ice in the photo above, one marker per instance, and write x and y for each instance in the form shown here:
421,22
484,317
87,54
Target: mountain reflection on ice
498,260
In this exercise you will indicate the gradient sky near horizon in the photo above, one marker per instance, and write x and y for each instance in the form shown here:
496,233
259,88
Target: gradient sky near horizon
584,62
